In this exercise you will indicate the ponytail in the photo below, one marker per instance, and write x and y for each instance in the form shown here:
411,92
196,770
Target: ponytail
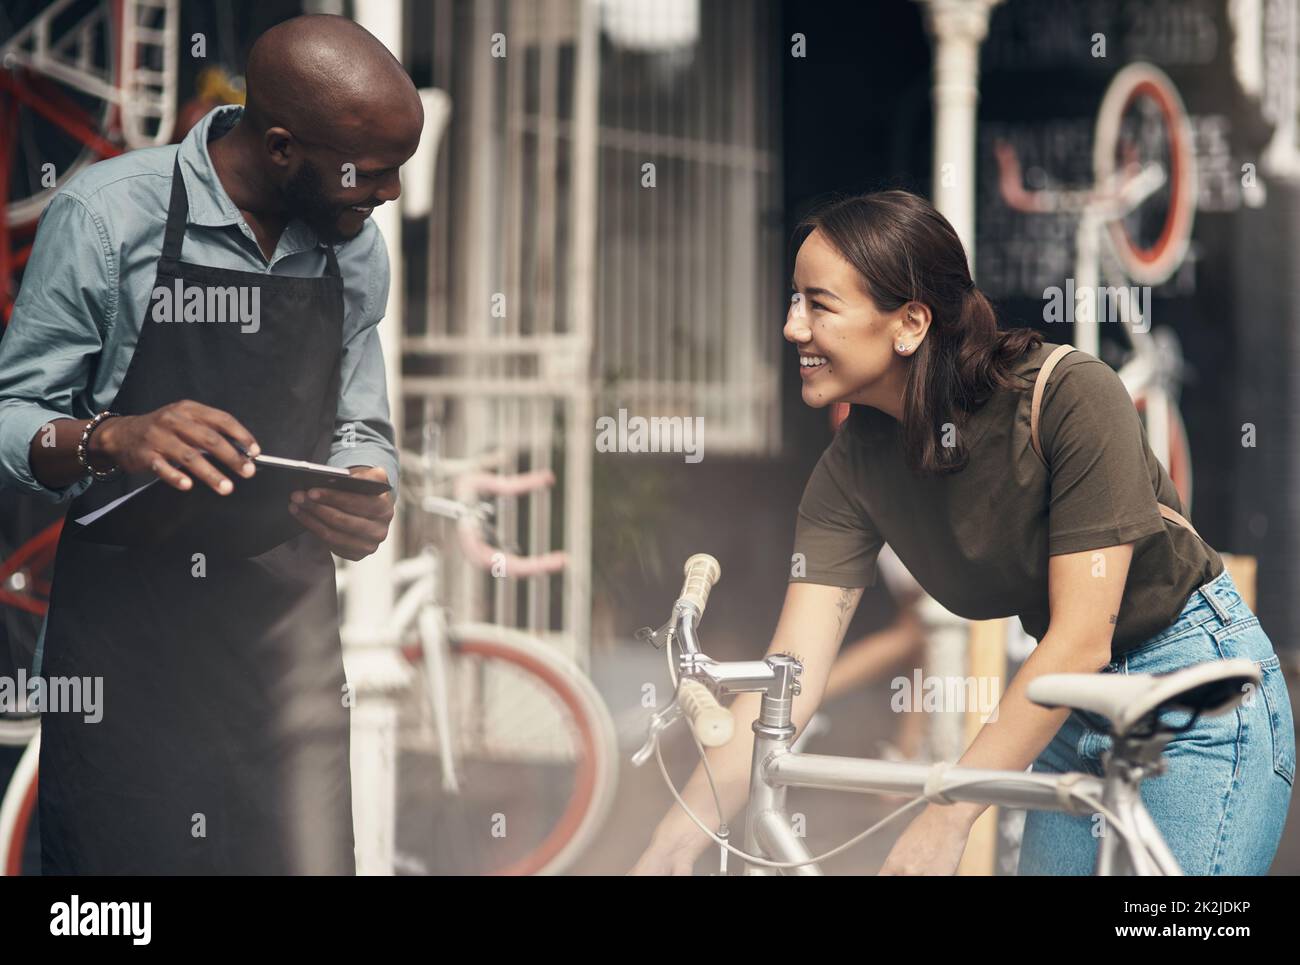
905,250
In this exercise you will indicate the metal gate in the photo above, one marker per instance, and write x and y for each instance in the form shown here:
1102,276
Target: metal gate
556,286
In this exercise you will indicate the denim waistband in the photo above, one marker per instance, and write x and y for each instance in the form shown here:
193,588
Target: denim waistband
1217,600
1219,595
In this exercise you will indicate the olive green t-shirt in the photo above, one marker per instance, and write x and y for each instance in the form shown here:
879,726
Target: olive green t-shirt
978,540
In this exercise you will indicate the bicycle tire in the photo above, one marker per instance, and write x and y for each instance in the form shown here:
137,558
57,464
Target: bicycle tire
17,729
17,805
1153,264
1180,453
595,776
27,210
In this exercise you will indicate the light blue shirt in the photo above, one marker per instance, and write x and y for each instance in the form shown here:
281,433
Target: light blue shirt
77,318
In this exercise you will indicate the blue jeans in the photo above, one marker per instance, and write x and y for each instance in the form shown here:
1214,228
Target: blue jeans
1222,803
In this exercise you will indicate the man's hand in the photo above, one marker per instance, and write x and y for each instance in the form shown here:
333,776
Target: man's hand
172,442
351,525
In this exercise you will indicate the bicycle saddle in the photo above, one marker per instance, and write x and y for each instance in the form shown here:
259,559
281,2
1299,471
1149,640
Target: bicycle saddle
1210,688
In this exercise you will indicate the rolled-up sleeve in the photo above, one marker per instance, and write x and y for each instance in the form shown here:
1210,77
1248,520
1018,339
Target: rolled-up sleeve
47,354
363,433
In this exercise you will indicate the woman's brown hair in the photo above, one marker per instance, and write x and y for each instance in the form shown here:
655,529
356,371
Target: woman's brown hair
905,250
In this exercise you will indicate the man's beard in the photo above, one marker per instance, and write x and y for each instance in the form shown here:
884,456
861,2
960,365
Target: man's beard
305,195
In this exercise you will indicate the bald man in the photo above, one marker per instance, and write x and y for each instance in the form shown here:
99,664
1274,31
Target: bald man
184,310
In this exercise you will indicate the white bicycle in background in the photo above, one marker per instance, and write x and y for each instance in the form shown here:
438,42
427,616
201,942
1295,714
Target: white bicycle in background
1143,711
484,749
1135,225
18,797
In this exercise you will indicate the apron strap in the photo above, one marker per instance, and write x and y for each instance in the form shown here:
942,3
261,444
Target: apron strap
178,214
1035,410
331,262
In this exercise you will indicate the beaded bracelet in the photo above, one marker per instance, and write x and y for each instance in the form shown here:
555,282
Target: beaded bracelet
83,448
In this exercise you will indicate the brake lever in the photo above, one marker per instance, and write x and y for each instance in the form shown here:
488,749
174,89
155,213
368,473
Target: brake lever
656,637
660,721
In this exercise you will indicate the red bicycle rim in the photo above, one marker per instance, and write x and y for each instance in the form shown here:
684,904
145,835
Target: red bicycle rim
584,784
1149,256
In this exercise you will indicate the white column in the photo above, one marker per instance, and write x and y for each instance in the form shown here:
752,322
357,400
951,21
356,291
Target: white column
957,28
582,286
372,578
375,668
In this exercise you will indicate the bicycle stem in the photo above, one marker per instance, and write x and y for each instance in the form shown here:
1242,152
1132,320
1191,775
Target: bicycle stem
776,676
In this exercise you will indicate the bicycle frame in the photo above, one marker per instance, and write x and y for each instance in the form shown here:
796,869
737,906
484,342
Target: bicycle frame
417,580
418,607
775,768
1135,847
432,622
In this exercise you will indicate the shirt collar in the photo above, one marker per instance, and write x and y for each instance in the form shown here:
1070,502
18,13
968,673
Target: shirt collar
210,206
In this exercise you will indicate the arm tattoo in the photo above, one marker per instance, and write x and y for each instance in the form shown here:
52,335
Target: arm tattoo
1114,618
845,605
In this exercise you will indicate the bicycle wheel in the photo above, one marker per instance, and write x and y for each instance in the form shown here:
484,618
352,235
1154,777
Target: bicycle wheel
536,756
1180,453
17,806
1142,121
54,122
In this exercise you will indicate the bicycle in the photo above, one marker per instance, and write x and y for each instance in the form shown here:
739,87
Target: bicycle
1132,705
513,724
80,80
25,574
1142,146
18,802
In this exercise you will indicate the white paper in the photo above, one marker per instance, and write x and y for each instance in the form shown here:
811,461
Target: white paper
109,507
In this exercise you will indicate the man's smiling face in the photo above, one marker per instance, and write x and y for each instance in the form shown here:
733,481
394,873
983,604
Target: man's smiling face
333,190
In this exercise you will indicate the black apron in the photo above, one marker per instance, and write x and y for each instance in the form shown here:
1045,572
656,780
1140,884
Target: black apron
222,746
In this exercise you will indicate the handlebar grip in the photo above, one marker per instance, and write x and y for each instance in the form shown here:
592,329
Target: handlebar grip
702,571
712,723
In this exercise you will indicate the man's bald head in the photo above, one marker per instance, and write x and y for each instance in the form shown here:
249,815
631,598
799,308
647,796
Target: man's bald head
331,116
328,79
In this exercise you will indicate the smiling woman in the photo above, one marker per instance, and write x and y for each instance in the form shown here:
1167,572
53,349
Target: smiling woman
884,276
1011,478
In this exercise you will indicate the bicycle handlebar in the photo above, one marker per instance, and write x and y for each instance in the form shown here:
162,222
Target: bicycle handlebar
702,571
470,480
1121,194
471,484
478,551
713,724
482,554
1011,184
